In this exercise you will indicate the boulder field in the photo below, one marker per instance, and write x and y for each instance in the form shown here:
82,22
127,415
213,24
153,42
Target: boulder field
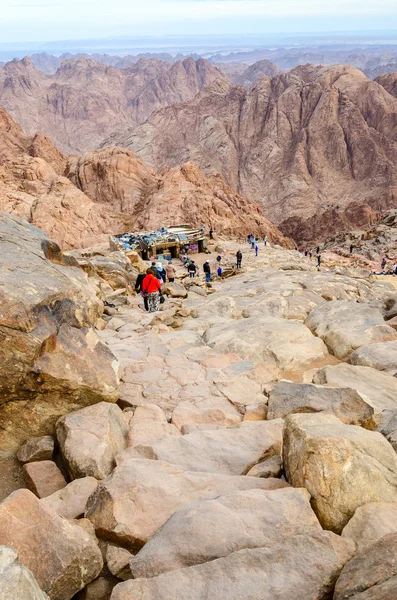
244,449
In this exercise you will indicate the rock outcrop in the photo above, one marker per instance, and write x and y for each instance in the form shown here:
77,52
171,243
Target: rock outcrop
52,361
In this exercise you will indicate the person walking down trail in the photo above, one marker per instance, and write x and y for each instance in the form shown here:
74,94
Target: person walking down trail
311,253
162,272
318,260
211,234
219,271
151,287
265,240
155,270
138,288
218,259
256,249
239,258
318,250
383,264
207,271
170,272
192,269
351,248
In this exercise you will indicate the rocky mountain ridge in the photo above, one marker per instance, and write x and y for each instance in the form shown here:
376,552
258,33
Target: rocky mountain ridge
86,100
81,201
300,144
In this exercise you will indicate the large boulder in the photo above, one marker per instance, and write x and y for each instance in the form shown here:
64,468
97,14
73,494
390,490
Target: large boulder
345,326
62,557
378,389
341,466
346,404
51,360
129,506
284,345
381,356
371,574
213,528
300,566
91,438
232,451
16,581
371,523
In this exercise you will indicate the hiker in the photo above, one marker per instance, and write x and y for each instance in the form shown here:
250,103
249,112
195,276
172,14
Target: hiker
219,271
155,270
305,252
211,234
170,272
218,259
351,248
265,240
318,260
151,290
207,271
256,249
239,258
394,269
318,250
138,288
192,268
162,272
252,243
249,236
311,253
383,264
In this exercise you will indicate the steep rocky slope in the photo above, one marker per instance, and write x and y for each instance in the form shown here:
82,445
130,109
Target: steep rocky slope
112,191
85,100
245,75
301,143
116,178
389,82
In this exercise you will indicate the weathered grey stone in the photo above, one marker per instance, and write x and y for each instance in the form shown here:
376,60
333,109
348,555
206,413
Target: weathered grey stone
16,581
129,506
360,466
301,566
381,356
91,438
62,557
36,448
211,529
345,403
346,326
378,389
371,523
231,451
371,574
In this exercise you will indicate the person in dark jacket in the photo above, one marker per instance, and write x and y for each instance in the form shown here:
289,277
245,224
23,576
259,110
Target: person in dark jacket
155,270
207,271
239,258
138,288
192,268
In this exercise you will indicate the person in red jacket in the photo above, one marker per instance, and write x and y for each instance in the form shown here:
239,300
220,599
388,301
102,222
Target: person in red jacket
151,287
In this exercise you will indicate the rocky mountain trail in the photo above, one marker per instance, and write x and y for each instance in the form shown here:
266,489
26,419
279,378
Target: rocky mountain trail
248,412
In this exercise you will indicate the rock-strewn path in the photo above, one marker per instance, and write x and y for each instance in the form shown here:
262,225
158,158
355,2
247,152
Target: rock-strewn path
214,476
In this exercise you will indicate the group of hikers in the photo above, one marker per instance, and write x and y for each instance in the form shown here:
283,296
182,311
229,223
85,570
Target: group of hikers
309,253
254,242
149,284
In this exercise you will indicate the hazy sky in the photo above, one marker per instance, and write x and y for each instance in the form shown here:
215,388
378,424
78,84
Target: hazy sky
33,20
